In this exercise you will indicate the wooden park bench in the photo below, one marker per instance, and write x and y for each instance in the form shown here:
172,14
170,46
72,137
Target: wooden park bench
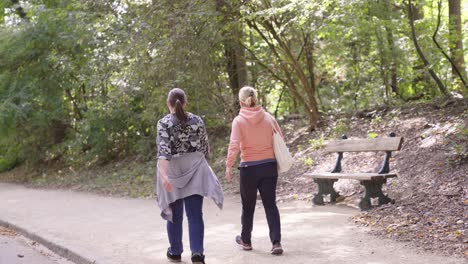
372,181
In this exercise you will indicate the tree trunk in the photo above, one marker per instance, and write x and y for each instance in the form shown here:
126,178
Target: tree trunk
418,10
393,63
76,109
418,77
279,102
291,67
383,65
356,83
393,56
434,38
313,109
254,67
310,104
233,49
456,40
295,105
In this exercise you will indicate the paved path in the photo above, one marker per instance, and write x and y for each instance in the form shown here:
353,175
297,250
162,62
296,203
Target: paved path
15,249
130,231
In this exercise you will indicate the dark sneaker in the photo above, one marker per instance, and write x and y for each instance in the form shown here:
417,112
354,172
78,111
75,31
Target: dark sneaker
198,258
277,249
173,258
242,244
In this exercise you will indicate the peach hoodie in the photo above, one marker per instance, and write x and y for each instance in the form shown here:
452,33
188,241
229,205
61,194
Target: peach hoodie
252,134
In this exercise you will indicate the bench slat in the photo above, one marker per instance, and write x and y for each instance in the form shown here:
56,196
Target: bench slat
361,145
353,176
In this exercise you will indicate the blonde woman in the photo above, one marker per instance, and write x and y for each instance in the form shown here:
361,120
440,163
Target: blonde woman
252,135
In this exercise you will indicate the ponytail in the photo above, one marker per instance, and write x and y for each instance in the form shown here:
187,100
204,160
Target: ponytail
248,96
249,101
180,112
177,98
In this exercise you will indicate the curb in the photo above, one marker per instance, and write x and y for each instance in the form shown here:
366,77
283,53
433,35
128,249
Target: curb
57,249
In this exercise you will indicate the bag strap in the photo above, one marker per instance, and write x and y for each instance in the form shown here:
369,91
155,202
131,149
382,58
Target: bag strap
272,122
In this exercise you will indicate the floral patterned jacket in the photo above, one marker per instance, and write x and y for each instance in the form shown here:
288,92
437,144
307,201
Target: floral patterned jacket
175,138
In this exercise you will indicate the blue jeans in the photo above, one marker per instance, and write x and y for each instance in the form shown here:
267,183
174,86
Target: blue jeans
193,209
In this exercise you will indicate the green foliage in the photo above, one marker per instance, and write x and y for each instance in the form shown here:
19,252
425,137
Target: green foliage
317,143
84,82
461,131
31,86
340,129
71,89
376,120
372,135
309,161
9,158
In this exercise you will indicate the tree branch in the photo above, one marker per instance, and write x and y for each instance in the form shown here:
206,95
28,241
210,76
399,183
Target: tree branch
441,86
265,66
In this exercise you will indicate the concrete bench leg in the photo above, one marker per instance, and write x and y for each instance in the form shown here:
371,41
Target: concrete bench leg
325,187
373,190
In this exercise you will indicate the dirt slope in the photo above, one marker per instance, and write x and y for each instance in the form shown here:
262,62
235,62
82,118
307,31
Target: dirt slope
431,190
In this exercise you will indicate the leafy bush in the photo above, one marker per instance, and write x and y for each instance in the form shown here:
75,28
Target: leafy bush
341,128
9,157
308,161
317,143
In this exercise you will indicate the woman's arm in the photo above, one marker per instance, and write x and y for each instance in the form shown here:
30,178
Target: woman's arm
204,146
163,143
233,149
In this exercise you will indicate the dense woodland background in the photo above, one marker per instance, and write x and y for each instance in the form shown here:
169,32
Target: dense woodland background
82,83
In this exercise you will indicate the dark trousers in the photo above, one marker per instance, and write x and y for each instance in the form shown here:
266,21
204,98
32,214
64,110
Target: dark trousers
263,178
193,209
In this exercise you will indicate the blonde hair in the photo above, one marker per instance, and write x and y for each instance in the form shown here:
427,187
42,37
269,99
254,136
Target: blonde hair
248,96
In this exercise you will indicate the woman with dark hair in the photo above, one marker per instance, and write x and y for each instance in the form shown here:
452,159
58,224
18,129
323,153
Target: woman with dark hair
252,135
184,176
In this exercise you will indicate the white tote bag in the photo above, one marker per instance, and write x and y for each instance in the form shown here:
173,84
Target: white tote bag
282,154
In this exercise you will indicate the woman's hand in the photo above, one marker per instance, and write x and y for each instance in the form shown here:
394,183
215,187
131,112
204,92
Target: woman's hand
229,174
163,167
166,184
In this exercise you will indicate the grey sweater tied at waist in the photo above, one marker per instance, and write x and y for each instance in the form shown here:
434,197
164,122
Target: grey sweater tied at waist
189,174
